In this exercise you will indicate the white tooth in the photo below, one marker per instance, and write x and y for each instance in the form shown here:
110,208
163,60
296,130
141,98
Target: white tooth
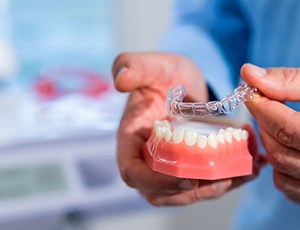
157,131
221,137
228,137
202,141
168,135
245,135
190,137
166,124
230,130
177,135
222,131
157,124
212,140
237,134
161,133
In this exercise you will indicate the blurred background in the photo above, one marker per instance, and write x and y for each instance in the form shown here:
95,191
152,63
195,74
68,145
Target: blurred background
59,115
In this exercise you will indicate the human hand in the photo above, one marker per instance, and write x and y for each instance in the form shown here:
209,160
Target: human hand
148,76
279,125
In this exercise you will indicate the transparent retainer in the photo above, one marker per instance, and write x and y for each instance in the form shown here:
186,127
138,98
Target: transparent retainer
175,105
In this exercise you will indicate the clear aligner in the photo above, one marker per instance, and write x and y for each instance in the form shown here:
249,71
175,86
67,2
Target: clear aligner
175,105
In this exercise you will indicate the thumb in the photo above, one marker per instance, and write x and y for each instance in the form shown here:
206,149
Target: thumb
282,84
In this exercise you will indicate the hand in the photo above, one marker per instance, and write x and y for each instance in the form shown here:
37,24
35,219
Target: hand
279,125
148,76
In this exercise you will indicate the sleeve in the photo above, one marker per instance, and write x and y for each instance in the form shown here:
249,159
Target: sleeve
214,34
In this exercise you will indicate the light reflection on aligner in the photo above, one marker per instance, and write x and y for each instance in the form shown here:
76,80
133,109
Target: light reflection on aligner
175,105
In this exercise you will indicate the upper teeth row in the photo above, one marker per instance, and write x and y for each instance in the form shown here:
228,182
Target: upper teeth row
191,137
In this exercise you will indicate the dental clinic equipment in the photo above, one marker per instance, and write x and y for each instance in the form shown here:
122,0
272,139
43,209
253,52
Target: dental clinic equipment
175,105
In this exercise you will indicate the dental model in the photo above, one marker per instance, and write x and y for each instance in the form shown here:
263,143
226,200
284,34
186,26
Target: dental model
198,150
175,105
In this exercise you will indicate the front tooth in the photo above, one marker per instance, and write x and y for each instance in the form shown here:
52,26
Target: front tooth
237,134
166,124
245,135
221,138
202,141
212,140
168,135
177,135
228,137
190,137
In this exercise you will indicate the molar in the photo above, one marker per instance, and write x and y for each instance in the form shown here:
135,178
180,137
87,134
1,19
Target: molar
190,137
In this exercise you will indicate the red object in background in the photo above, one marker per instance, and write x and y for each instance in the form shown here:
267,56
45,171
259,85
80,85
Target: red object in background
57,82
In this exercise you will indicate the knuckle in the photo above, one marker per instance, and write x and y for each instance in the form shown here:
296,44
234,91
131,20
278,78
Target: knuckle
284,136
196,196
290,76
152,198
275,159
284,164
155,201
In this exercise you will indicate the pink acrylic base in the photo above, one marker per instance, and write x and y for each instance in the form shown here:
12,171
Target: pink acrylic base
180,160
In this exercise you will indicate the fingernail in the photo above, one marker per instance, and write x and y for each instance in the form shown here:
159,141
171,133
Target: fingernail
188,184
122,70
257,71
221,185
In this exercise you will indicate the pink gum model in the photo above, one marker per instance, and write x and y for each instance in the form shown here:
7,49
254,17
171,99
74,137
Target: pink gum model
207,152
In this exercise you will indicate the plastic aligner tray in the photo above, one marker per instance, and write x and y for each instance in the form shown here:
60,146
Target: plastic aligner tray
175,105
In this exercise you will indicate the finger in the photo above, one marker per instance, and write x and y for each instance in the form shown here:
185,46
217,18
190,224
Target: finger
294,198
282,158
160,70
278,120
288,185
206,190
281,84
137,174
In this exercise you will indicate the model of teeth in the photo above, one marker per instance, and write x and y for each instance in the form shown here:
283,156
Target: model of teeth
190,137
198,150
